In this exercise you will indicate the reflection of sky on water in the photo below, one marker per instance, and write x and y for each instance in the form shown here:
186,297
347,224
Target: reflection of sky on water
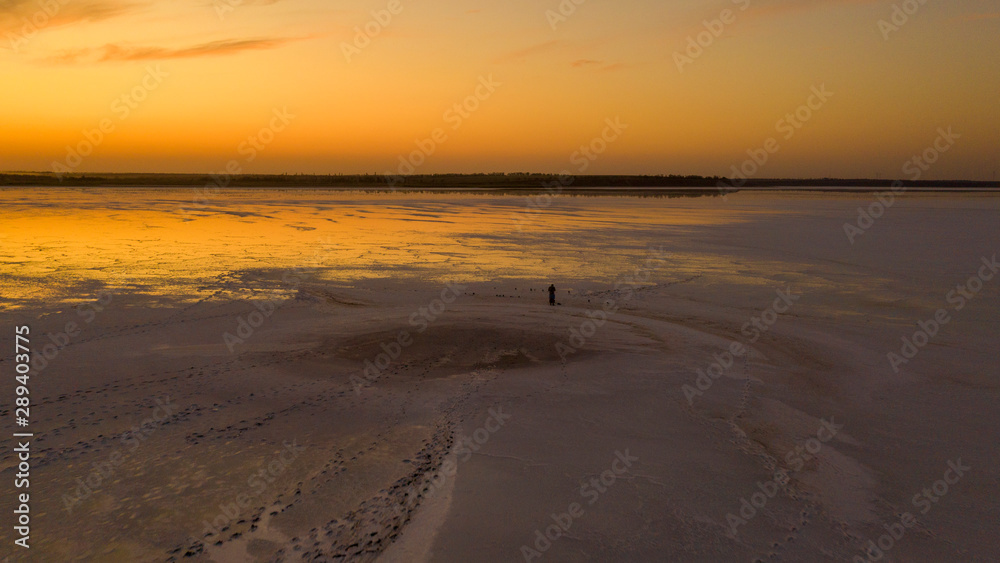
56,239
55,242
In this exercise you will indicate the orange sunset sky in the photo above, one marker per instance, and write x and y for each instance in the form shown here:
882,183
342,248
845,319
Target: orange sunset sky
181,86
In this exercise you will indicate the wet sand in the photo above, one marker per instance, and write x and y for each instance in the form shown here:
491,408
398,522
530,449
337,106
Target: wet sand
395,386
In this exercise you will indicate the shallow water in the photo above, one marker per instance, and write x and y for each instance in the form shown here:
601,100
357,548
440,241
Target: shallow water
166,241
62,245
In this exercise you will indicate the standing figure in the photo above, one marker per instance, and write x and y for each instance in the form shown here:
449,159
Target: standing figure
552,294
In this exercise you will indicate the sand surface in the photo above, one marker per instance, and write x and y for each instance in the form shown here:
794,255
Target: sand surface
498,416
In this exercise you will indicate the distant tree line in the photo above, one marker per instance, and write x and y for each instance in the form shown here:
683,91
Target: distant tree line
496,180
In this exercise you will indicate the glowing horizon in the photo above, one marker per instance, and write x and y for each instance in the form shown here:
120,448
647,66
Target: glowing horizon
297,86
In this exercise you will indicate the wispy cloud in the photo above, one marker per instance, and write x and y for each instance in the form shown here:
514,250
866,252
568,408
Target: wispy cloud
613,67
522,55
113,52
13,13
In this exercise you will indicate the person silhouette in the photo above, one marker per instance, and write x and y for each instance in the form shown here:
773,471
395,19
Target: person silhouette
552,294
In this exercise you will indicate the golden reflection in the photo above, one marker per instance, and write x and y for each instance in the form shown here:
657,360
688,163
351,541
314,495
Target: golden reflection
62,244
